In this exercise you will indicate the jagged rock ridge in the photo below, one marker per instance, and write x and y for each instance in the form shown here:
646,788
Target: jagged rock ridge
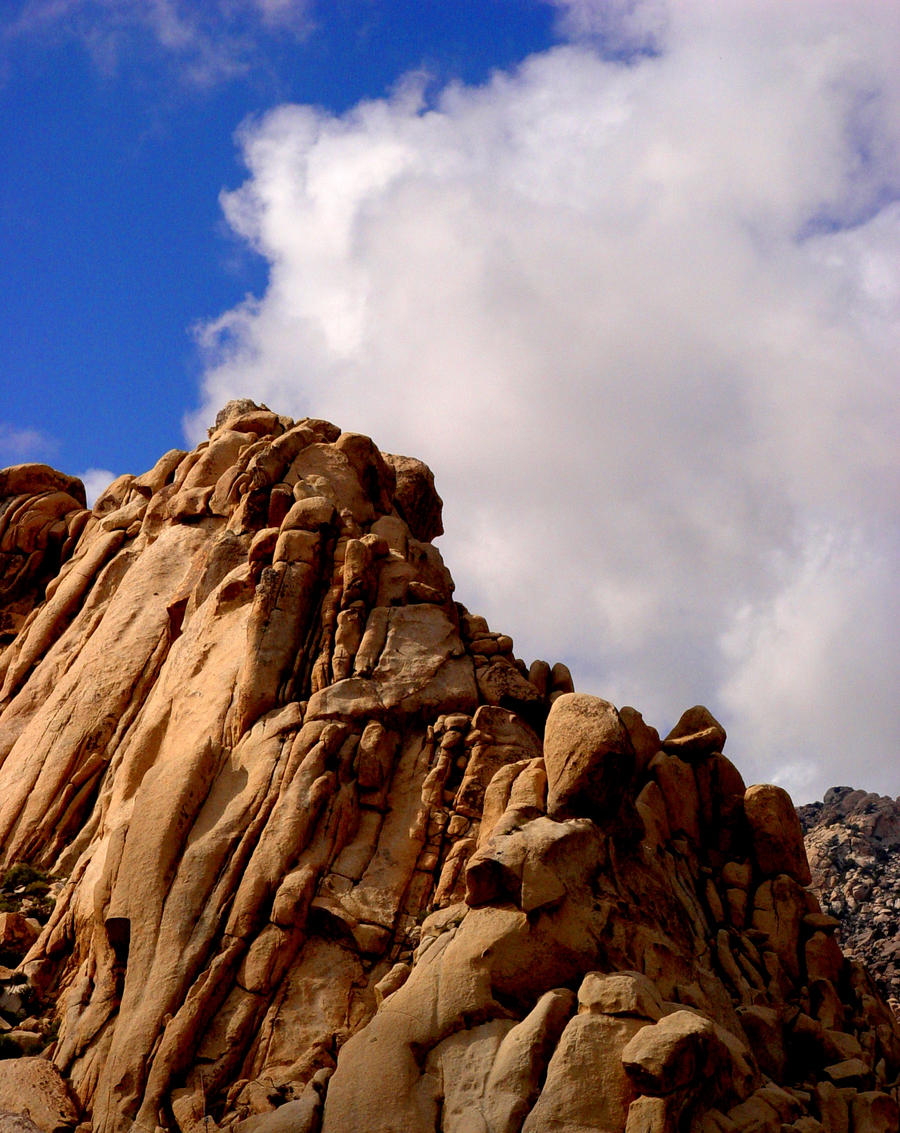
325,853
853,843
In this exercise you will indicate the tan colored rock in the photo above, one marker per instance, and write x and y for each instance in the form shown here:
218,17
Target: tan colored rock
651,1115
589,761
462,1062
517,863
586,1086
778,909
501,683
160,474
35,1089
850,1072
268,757
31,479
394,979
302,1115
696,734
831,1107
721,793
519,1066
755,1114
261,421
764,1028
561,681
671,1054
17,933
16,1123
529,789
776,833
678,787
807,1124
620,993
233,410
495,797
539,674
416,497
823,959
499,740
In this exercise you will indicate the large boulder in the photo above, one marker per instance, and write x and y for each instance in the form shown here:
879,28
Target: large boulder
775,832
589,761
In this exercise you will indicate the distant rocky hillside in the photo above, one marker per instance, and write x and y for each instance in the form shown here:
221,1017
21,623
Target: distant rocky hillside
853,843
292,842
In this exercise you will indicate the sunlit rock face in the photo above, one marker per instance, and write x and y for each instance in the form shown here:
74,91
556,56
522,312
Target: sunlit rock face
293,841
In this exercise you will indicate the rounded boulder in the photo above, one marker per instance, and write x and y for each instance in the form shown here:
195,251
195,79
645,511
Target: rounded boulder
776,833
589,760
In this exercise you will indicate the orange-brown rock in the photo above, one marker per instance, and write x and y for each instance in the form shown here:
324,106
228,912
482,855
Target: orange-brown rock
325,853
776,833
589,759
34,1089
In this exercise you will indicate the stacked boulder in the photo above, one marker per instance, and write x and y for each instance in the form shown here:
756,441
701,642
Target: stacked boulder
637,949
326,854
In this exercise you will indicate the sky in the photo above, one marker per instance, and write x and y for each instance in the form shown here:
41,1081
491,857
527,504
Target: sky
625,273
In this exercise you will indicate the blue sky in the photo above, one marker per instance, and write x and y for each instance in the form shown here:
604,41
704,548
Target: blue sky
115,148
626,273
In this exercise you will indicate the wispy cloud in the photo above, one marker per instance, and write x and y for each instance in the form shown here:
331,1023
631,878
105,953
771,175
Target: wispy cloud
18,446
618,28
642,316
207,42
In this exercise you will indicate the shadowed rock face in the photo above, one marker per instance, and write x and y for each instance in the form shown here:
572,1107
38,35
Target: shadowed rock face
42,514
306,812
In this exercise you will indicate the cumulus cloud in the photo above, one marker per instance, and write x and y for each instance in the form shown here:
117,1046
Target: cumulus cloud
641,316
209,42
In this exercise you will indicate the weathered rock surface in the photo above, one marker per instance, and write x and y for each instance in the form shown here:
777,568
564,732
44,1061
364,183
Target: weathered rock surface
853,842
34,1089
311,850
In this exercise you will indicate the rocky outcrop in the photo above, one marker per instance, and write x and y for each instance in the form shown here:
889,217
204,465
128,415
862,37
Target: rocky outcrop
605,975
311,848
853,842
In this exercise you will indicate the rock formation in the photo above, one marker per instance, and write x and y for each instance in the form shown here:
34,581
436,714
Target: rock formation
853,843
292,841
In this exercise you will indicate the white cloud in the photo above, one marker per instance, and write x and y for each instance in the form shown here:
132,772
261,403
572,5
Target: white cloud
617,27
95,480
642,320
810,664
